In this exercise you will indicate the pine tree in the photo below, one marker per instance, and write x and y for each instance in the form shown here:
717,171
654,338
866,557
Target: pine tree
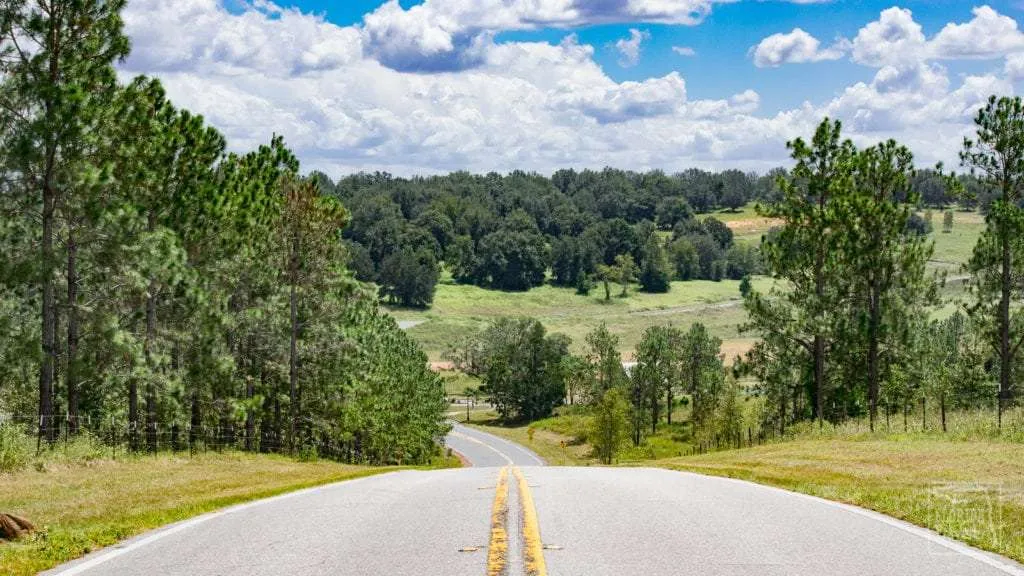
996,157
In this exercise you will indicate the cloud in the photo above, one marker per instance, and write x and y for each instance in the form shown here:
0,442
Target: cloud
1014,67
796,47
895,39
684,51
988,35
629,48
345,105
444,35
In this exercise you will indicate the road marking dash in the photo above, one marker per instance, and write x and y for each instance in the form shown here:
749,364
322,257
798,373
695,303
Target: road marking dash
497,551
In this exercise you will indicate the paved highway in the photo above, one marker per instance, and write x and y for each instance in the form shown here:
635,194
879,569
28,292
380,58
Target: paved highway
509,515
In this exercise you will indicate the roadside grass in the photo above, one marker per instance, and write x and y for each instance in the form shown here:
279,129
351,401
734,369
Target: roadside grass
545,443
970,491
83,507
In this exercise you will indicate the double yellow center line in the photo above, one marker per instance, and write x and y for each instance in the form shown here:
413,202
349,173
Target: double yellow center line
533,546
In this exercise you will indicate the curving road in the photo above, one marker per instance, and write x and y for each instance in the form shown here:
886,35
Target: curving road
509,515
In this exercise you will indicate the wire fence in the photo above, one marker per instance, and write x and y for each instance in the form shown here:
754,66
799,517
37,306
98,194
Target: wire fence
118,437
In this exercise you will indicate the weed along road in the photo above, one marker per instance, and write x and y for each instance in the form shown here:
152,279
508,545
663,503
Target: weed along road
509,515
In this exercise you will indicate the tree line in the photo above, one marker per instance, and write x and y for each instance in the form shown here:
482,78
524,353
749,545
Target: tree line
847,331
156,285
581,229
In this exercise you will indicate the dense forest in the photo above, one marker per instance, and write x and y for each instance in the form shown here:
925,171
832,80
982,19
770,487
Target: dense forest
578,228
160,291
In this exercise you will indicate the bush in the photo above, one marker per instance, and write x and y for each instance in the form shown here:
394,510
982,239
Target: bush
610,425
15,448
947,222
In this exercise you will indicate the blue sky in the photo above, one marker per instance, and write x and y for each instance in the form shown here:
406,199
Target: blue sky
723,40
438,85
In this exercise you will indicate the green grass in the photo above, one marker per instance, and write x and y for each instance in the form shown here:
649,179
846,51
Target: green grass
970,491
954,249
83,507
460,310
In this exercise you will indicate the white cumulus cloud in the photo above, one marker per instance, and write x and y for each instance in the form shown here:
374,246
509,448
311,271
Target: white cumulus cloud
795,47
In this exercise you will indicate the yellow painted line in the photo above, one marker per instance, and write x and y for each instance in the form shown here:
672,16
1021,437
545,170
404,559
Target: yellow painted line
533,546
497,551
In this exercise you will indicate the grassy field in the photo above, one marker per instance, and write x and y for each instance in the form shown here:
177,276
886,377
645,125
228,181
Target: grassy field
460,310
81,508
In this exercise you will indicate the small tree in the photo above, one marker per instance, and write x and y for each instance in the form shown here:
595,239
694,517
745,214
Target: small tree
409,278
626,269
655,273
603,355
947,222
608,431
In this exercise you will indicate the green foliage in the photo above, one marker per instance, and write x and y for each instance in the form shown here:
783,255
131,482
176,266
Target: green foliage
655,274
605,360
156,287
609,427
15,448
947,222
523,368
409,278
997,156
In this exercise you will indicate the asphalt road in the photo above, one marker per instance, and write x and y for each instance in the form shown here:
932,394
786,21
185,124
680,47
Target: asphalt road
493,517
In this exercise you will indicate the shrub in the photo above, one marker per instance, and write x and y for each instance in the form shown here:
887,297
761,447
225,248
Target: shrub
15,449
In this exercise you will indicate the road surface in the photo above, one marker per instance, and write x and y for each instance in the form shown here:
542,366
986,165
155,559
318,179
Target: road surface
509,515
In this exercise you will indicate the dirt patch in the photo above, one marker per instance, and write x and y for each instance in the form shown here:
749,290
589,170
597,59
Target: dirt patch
752,225
442,366
733,348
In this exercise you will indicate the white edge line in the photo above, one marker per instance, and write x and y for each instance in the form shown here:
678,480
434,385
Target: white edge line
991,559
482,443
522,449
160,533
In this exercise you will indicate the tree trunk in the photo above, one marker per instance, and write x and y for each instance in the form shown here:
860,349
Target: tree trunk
942,410
1005,361
293,347
669,402
819,378
924,414
49,312
133,413
873,329
71,375
147,349
782,414
196,423
250,415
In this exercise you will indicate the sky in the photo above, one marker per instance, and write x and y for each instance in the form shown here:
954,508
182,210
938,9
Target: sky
433,86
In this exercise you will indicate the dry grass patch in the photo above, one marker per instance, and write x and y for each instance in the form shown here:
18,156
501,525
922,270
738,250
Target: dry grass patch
80,508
